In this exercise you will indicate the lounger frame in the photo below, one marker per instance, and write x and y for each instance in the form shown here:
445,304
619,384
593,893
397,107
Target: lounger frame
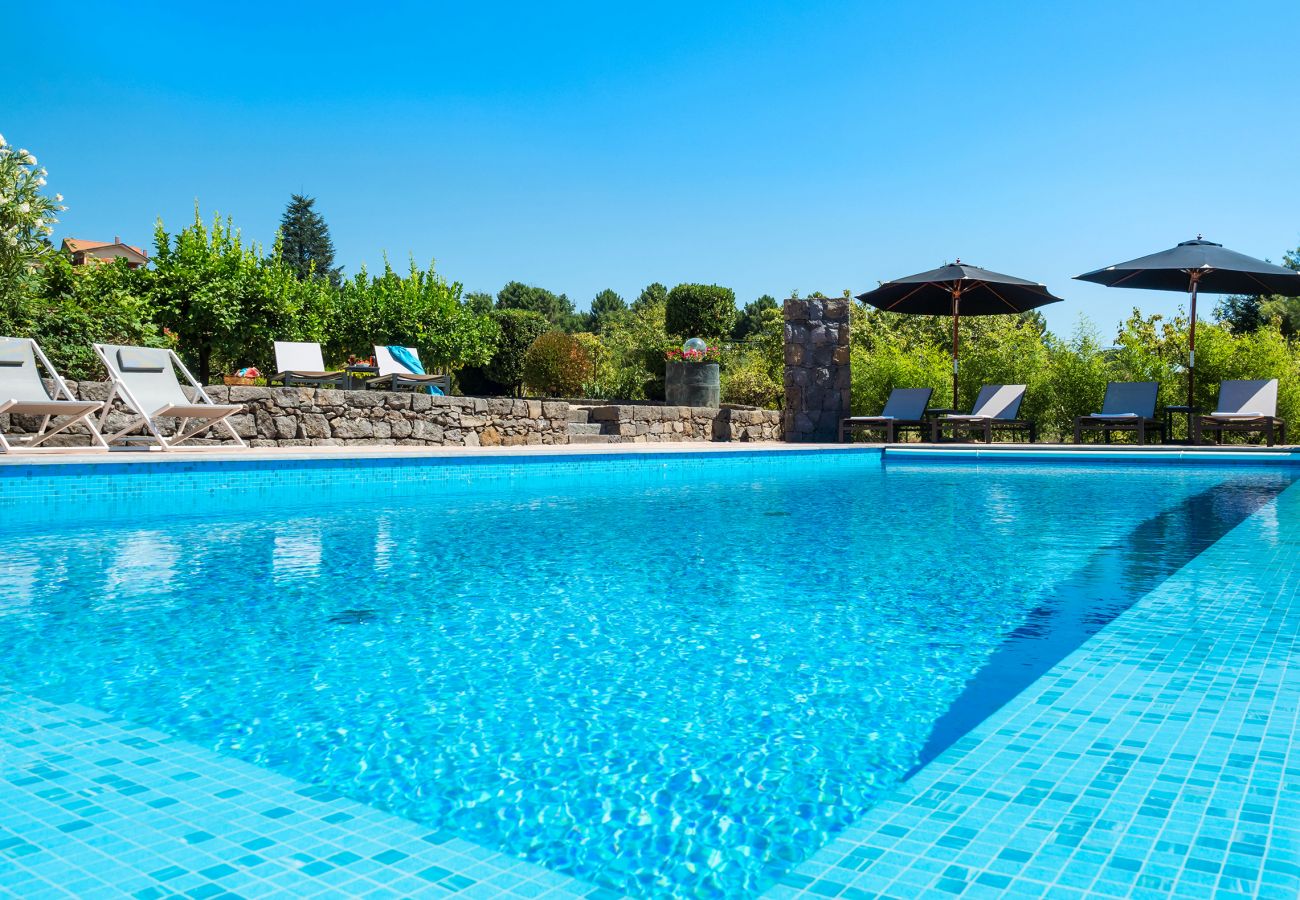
891,426
985,426
184,431
50,410
396,381
292,376
1141,424
1270,426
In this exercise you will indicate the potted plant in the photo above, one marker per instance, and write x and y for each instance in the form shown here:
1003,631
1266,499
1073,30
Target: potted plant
691,375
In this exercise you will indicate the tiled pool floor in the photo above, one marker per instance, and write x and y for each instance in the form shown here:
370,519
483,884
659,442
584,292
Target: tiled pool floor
95,807
1158,760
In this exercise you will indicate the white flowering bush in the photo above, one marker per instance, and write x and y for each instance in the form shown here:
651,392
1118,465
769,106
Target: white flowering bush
27,218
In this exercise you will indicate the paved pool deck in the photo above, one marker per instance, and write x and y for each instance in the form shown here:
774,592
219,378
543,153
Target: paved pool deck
1156,761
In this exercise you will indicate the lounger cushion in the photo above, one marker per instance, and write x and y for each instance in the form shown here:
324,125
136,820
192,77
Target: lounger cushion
130,359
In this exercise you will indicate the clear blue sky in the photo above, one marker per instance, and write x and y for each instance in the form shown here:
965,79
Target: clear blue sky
768,147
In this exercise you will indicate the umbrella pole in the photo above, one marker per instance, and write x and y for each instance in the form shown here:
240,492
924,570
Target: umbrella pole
956,319
1191,344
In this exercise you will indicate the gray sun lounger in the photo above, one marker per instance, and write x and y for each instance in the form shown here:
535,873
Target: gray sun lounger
1127,406
995,409
23,393
144,379
904,411
1244,407
301,363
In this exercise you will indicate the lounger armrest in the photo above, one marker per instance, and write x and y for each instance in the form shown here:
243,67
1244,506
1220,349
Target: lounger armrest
197,411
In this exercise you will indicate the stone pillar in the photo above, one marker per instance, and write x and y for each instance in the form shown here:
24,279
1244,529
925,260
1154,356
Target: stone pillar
817,383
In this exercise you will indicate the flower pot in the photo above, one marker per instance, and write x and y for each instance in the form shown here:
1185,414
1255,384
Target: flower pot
692,384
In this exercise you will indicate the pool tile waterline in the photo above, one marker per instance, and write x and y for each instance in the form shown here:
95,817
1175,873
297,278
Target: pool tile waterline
1159,760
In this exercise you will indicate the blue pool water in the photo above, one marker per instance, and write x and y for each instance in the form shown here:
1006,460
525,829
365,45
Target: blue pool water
677,677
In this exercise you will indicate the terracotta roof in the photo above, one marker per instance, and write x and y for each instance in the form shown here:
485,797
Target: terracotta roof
76,245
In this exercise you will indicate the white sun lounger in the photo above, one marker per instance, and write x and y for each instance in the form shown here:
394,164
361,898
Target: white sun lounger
394,376
301,363
144,379
23,393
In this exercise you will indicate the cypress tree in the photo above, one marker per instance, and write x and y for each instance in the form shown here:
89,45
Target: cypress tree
305,244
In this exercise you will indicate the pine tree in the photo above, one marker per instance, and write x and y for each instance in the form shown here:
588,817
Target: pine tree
305,243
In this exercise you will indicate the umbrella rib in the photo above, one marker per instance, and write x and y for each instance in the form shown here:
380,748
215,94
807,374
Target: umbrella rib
1133,274
1011,306
913,291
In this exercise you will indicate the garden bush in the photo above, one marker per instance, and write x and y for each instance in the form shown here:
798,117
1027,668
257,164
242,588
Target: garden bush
517,329
556,365
700,310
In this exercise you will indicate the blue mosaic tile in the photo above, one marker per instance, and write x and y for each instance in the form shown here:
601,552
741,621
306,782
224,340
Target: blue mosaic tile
1150,763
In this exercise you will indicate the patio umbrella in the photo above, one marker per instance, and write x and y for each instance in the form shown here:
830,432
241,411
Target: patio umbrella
1199,266
958,289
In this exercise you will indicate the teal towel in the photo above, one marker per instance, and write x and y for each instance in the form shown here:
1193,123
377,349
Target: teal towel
411,363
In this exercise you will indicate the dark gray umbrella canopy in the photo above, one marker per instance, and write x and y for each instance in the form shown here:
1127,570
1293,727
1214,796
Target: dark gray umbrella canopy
1218,270
958,290
979,292
1193,267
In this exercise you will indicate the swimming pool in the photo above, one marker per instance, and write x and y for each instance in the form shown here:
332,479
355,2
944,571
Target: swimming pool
662,675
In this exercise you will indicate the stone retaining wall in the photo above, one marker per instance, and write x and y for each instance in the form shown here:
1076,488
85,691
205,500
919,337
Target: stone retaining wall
304,416
657,424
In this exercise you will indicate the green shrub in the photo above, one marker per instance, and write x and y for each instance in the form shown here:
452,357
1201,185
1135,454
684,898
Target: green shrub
602,380
556,365
700,310
518,329
751,384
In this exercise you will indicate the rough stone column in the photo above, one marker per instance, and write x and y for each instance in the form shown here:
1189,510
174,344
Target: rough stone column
817,382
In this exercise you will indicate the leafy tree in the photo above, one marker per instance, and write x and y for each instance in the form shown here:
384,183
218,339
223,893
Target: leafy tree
751,317
700,310
76,306
556,308
606,305
27,218
518,329
653,293
636,344
479,302
419,309
1241,314
305,245
556,365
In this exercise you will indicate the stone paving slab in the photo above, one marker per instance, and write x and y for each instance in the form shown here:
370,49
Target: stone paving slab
1160,760
93,806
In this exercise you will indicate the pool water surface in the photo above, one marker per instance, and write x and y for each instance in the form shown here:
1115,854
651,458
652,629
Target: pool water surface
682,683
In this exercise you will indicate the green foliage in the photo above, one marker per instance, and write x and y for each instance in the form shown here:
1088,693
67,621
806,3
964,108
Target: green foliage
226,302
603,379
557,309
479,302
305,245
751,317
556,365
653,294
80,305
700,310
27,219
420,309
637,343
750,384
518,328
604,308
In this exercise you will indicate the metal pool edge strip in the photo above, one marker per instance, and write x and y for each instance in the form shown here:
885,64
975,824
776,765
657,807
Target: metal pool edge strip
1127,457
